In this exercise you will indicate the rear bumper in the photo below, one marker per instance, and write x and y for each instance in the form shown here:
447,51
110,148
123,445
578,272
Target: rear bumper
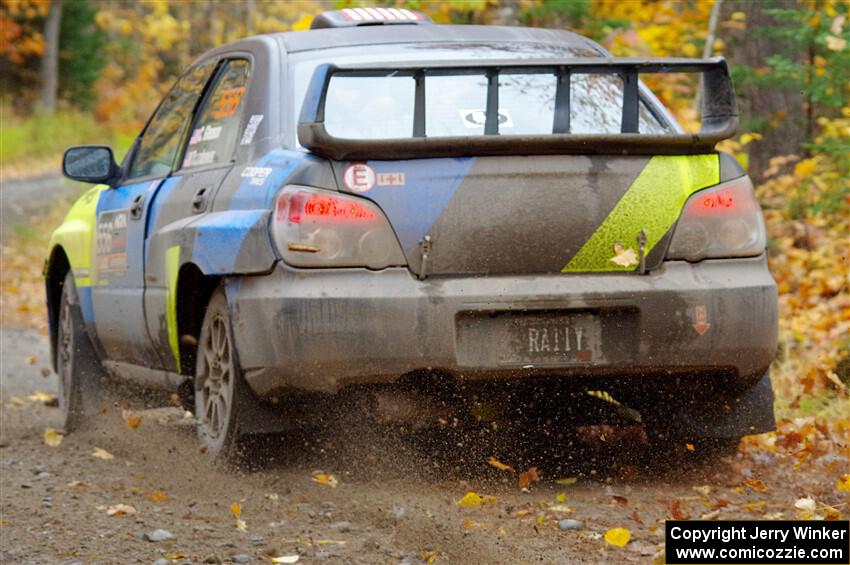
322,330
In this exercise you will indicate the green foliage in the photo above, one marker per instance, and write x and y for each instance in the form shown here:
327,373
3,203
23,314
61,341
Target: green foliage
80,53
40,136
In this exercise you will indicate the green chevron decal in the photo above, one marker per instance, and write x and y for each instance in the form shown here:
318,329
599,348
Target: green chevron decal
653,203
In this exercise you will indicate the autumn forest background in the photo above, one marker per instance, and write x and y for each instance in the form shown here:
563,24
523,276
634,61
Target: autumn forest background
91,71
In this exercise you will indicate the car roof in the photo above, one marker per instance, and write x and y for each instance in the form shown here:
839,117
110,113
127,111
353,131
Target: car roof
296,41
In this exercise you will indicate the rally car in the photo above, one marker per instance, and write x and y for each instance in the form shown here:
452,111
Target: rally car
382,200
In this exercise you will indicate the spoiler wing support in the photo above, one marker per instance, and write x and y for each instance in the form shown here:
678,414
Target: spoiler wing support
719,111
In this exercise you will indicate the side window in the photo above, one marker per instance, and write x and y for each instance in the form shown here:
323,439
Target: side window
163,137
215,132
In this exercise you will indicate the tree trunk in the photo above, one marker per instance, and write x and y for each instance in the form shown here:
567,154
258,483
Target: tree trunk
50,61
778,112
250,7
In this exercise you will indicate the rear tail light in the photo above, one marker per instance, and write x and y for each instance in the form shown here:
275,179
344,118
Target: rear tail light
319,228
722,221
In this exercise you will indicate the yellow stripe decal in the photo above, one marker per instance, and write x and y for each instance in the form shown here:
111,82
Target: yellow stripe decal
172,268
653,203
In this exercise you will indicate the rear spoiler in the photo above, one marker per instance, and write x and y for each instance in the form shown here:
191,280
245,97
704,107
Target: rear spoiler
719,112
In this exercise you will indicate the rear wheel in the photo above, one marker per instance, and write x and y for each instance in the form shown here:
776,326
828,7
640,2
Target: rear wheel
223,401
80,372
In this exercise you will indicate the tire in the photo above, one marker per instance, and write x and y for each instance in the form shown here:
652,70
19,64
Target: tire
80,372
223,401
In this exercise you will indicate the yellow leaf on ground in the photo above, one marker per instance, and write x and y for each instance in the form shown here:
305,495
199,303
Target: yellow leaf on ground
569,481
472,498
325,479
843,483
499,465
31,360
120,510
561,497
756,484
286,559
241,525
157,496
236,510
102,454
690,447
39,396
52,437
618,536
132,419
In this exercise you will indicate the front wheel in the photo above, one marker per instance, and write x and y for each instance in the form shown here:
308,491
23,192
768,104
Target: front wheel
223,400
77,365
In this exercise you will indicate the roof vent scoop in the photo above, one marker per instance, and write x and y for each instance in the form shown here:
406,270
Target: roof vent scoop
353,17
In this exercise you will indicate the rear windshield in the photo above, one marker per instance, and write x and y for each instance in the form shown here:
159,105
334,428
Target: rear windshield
381,107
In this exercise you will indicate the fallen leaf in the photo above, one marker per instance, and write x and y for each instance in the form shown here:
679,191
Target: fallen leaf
563,508
31,360
674,506
241,525
427,556
710,515
756,484
561,497
567,482
120,510
499,465
472,498
102,454
286,559
45,372
619,500
157,496
690,447
52,437
843,483
808,504
618,536
636,518
470,524
624,257
325,479
174,555
132,419
43,397
528,477
755,507
236,510
704,490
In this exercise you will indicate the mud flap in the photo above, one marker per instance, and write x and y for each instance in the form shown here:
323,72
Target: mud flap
732,415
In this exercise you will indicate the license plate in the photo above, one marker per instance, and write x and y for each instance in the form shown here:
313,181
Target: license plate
545,339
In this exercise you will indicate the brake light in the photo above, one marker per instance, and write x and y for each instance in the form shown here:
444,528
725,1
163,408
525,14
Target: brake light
722,221
318,228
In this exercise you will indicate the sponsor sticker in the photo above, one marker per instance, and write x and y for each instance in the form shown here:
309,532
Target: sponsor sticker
258,175
473,119
251,128
111,242
390,179
359,177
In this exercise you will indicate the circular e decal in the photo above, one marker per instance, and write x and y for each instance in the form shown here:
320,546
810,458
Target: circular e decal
359,177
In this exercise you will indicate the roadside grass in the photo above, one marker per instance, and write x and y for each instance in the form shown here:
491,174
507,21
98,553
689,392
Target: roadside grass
35,144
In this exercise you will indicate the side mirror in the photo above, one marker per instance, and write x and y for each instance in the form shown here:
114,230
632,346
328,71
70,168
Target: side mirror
91,163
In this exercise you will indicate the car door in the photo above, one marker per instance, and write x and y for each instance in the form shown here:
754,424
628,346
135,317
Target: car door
207,158
122,217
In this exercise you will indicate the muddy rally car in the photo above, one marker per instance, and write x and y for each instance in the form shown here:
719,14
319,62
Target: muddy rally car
464,212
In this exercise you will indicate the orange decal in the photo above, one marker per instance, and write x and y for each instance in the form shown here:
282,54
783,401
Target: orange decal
228,103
